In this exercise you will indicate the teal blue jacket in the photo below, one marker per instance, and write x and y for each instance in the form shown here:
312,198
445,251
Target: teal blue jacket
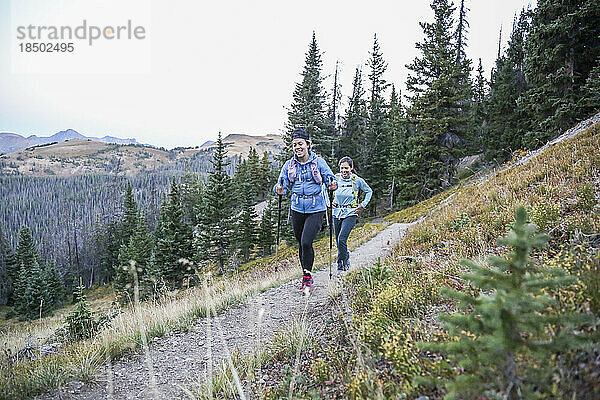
344,196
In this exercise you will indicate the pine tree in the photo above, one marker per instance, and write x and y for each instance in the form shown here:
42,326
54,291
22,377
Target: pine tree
253,178
440,94
135,254
507,333
507,122
107,239
241,175
461,32
398,129
173,242
266,230
26,256
333,118
6,262
265,175
31,297
192,192
246,231
590,100
130,211
464,86
38,287
378,141
308,108
355,123
214,234
479,110
54,285
563,46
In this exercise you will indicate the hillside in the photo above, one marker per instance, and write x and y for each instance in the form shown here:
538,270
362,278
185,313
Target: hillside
84,156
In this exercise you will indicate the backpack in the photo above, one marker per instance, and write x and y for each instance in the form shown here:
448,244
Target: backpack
314,170
354,189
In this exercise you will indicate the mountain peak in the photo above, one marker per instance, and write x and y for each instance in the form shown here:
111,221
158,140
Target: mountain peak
66,135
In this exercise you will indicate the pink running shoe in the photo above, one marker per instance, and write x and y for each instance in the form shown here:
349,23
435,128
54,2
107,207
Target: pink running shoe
307,281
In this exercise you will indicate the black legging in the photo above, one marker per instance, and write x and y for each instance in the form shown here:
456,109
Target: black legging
306,227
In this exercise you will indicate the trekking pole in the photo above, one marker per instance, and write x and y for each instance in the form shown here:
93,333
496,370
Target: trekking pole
278,229
330,228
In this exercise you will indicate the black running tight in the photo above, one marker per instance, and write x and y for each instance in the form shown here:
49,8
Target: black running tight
306,227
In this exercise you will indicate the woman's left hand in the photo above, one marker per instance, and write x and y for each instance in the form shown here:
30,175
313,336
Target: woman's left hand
333,185
359,209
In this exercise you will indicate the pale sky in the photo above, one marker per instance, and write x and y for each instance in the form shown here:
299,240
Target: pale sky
204,67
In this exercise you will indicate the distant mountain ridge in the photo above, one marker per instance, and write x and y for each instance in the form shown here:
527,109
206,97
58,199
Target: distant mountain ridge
68,153
10,142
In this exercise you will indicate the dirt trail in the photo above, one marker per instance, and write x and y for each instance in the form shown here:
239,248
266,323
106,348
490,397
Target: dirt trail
180,360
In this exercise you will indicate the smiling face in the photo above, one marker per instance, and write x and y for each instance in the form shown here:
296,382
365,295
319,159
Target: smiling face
345,170
300,148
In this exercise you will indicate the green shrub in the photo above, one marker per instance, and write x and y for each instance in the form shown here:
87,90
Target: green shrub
586,197
544,214
461,221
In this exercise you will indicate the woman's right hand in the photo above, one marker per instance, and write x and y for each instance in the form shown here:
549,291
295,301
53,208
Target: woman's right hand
279,190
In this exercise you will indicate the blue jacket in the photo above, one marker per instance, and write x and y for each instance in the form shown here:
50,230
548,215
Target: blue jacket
344,196
307,195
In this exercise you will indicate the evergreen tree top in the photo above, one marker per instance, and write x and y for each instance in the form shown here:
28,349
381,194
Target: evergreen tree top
308,108
461,32
27,254
218,161
313,62
437,48
377,66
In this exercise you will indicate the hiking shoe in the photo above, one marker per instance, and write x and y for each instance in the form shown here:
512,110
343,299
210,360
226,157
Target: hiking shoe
344,266
307,281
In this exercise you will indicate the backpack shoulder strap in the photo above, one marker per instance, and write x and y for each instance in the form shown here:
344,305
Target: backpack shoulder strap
314,170
355,187
292,170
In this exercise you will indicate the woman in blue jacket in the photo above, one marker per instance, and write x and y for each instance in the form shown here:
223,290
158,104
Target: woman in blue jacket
347,207
305,175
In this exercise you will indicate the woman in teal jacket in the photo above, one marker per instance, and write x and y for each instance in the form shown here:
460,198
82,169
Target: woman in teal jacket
347,207
305,175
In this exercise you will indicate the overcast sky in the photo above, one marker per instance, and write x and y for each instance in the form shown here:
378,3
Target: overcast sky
204,67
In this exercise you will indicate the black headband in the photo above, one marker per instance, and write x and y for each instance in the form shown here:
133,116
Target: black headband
300,134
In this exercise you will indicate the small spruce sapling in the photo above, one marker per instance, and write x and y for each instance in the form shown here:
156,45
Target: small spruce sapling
80,323
506,334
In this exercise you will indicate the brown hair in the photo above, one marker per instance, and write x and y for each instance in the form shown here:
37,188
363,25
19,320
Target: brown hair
346,159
